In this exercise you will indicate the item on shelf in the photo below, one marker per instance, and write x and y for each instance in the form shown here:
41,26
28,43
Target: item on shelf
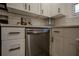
3,6
23,21
4,19
18,23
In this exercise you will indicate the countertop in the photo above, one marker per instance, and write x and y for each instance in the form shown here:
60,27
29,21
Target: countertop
24,26
67,26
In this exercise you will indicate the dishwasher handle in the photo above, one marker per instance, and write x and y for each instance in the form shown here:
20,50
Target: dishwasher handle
51,39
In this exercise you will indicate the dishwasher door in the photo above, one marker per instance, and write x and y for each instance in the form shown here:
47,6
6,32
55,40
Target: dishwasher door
37,42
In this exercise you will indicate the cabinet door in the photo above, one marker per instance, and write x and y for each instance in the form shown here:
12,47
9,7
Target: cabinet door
63,8
19,6
45,9
27,7
70,36
57,45
58,8
34,8
14,47
54,9
65,41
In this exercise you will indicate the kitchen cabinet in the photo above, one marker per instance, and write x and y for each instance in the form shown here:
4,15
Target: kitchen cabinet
12,41
70,41
19,6
27,7
64,41
34,8
57,44
58,9
45,9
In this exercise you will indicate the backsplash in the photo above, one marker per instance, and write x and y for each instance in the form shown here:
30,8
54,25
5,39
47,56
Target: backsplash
14,18
70,18
67,21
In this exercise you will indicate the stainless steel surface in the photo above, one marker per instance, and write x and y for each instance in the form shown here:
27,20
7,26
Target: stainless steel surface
29,45
37,42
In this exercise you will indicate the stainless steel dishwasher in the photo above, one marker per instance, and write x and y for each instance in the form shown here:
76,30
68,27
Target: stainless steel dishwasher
37,42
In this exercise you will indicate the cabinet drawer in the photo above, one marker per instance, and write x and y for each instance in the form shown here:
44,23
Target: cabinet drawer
9,33
13,47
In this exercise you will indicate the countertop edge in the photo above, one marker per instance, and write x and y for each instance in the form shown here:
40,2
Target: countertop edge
68,26
23,26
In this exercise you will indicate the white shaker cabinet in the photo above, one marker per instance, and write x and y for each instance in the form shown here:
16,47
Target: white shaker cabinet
58,9
57,44
45,9
64,41
19,6
34,8
27,7
12,41
54,9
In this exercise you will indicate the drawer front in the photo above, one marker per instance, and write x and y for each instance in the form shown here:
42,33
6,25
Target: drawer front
13,47
9,33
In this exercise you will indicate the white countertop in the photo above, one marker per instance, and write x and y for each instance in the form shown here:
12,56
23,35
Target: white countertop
10,25
67,26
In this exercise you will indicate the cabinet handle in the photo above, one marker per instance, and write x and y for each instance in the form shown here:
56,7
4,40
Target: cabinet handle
14,33
14,49
29,7
25,6
57,31
51,39
58,10
41,11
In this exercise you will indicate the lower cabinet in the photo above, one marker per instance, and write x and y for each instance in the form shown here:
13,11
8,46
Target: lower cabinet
13,47
12,42
57,44
65,41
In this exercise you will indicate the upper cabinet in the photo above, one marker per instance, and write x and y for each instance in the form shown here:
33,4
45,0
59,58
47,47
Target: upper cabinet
54,9
19,6
45,9
34,8
58,9
27,7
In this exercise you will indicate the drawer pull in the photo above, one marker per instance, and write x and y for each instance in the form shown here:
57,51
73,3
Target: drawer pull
57,31
51,39
14,33
14,49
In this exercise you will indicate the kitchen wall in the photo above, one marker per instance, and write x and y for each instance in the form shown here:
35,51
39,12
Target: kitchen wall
70,18
14,18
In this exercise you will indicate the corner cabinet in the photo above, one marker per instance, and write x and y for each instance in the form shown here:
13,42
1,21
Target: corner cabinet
65,41
58,9
45,9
